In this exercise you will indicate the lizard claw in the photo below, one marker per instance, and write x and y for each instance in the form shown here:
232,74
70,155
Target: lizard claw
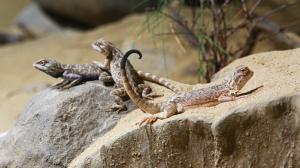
64,88
148,97
151,96
108,110
60,88
54,87
148,120
239,97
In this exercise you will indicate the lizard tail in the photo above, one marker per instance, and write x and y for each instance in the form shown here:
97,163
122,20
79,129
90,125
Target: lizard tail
145,106
155,79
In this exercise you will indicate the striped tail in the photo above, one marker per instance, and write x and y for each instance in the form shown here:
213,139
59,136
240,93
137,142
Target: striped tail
146,107
156,79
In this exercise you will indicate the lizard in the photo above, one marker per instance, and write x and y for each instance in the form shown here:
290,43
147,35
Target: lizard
72,74
218,93
137,78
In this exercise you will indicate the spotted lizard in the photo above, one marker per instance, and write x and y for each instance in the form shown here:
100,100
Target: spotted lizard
226,91
112,64
72,74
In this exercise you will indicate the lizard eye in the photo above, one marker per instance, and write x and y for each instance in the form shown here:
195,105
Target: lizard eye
43,62
244,69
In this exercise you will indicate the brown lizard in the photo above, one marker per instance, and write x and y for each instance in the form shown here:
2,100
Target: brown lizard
226,91
112,64
72,74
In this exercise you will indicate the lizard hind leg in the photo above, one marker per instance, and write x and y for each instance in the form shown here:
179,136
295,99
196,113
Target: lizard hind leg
148,120
118,105
104,66
72,78
147,92
106,78
169,110
71,84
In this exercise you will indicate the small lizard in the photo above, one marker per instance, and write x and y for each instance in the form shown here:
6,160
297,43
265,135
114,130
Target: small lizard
72,74
226,91
112,64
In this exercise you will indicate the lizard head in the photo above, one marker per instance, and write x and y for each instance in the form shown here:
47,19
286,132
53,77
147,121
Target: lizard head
104,47
239,77
50,67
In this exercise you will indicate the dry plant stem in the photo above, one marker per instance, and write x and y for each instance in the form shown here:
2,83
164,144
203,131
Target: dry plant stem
278,33
213,44
182,27
249,44
246,20
177,39
278,9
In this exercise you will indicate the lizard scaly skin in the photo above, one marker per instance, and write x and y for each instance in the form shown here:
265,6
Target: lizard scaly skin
226,91
72,74
113,63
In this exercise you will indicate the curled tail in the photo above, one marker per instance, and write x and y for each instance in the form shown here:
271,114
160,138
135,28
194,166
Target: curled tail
147,107
156,79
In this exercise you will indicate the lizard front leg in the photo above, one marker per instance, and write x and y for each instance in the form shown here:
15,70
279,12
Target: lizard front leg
147,92
74,79
105,77
231,96
71,84
105,66
119,105
60,84
233,92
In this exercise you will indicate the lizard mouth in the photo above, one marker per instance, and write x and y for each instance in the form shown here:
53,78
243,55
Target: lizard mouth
38,66
97,48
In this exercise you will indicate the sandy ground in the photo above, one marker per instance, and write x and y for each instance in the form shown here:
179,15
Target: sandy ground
9,10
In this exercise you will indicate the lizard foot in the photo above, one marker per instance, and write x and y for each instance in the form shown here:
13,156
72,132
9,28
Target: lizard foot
116,108
148,120
64,87
58,87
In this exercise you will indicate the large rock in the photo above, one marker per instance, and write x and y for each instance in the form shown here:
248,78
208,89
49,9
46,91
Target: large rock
247,135
56,126
261,130
94,12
